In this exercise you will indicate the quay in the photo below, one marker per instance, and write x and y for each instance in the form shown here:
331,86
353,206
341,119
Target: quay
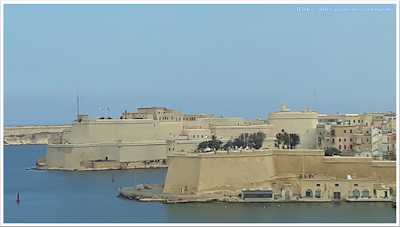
154,193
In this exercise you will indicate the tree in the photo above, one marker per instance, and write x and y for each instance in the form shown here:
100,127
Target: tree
238,142
228,145
202,145
279,138
214,143
251,140
294,141
332,151
290,140
256,140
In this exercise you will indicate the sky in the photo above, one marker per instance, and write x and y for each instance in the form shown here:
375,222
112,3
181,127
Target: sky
227,60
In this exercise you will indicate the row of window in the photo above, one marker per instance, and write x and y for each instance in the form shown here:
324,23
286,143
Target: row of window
345,140
345,147
356,193
178,119
189,118
337,185
198,136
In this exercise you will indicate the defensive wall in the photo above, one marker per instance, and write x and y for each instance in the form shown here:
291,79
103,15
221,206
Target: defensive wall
126,130
233,171
136,140
80,156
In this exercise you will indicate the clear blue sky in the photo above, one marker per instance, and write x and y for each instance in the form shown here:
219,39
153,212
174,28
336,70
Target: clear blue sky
229,60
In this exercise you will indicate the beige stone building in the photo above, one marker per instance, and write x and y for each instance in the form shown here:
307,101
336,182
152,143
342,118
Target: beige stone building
365,135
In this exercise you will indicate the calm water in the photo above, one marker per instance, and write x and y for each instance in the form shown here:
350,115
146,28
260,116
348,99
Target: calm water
91,197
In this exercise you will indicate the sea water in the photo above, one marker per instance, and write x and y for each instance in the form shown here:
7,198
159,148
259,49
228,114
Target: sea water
91,197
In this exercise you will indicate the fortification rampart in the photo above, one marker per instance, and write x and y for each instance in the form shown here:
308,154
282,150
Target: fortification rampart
198,173
126,130
234,170
73,156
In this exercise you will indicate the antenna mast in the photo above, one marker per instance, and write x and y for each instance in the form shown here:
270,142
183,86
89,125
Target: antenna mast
77,100
315,101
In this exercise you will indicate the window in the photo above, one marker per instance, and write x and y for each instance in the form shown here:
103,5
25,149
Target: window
333,140
309,193
336,185
351,139
318,185
340,140
169,149
356,193
351,147
194,136
354,121
344,139
345,147
355,185
318,193
351,130
344,131
202,136
332,132
358,121
340,147
198,136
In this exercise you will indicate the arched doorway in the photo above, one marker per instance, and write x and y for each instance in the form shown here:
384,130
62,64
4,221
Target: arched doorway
309,193
318,193
365,193
356,192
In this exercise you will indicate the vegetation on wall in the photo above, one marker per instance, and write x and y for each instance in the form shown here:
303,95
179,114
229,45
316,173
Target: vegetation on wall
250,140
332,151
290,140
214,144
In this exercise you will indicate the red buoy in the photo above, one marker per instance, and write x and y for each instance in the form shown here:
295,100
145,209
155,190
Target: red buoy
18,197
112,179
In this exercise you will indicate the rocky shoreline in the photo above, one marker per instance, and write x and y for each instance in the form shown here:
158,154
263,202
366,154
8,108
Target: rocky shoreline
31,135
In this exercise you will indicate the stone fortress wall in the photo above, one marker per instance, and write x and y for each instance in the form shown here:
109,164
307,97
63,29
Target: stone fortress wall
146,136
275,169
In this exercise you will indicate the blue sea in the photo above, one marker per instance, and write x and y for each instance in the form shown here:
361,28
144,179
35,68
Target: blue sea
91,197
